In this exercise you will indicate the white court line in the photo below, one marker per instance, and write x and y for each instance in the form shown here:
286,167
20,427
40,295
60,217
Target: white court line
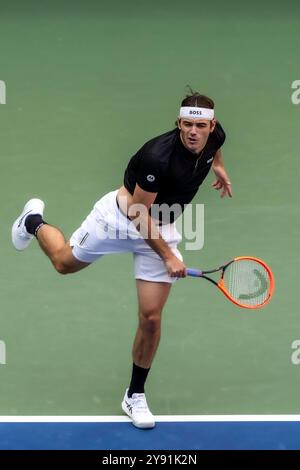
161,418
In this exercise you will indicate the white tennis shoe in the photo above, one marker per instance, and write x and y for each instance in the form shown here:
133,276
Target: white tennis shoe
137,409
19,235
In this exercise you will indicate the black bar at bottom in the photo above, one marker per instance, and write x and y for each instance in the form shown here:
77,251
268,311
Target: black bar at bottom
135,458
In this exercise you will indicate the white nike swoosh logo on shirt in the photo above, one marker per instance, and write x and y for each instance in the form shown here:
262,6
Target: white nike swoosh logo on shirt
210,160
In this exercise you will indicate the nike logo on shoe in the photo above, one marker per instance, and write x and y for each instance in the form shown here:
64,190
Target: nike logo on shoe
128,406
20,221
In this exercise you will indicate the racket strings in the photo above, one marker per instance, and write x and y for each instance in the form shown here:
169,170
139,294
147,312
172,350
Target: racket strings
247,281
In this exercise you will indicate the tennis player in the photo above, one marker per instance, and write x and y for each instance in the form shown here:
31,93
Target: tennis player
167,170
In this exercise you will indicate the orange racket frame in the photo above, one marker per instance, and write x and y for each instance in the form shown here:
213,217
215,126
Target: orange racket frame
221,285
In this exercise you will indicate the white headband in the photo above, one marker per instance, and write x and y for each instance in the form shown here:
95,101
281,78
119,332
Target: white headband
196,113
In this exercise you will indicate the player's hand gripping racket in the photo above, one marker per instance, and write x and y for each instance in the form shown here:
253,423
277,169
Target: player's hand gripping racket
248,282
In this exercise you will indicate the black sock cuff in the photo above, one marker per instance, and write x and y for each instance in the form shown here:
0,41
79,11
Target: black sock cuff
33,223
139,369
138,379
38,228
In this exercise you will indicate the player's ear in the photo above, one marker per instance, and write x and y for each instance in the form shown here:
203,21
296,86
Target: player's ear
212,125
178,123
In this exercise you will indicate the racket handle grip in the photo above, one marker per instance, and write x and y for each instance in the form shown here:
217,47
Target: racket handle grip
194,272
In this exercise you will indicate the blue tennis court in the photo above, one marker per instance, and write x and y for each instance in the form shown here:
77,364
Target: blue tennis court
170,433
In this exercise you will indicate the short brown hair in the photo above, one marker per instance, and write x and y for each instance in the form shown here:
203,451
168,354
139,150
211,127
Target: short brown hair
194,99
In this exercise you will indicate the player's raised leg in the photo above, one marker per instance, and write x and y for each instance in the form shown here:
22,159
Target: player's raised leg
30,224
58,250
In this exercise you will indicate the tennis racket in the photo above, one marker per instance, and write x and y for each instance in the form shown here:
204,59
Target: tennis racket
246,281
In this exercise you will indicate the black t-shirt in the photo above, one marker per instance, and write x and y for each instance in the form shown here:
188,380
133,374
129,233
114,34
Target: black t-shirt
164,165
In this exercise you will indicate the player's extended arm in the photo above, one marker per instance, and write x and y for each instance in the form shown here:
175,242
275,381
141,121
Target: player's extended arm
222,179
138,212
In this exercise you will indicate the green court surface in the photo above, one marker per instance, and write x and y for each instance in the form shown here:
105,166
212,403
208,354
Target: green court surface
87,84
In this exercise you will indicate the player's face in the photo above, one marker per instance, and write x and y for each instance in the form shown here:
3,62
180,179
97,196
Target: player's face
195,132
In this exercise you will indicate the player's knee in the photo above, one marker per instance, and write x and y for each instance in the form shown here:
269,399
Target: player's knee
151,320
61,268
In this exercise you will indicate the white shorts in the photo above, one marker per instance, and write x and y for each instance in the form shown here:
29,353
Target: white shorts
107,230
